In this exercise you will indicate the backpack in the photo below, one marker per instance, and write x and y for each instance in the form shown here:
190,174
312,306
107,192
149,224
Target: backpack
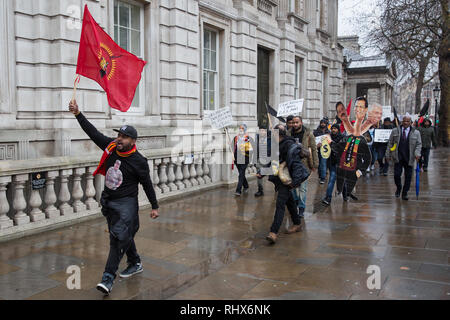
299,173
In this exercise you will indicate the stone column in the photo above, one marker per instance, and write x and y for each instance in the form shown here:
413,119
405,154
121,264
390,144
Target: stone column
163,176
206,176
193,174
64,194
77,191
155,181
36,213
199,170
179,173
90,202
5,221
19,202
50,196
186,176
171,177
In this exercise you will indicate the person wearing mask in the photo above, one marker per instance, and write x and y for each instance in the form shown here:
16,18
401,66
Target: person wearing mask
381,149
320,131
284,195
428,137
303,135
243,151
408,146
333,160
124,168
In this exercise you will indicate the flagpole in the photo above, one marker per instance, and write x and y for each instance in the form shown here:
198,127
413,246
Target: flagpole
75,84
229,143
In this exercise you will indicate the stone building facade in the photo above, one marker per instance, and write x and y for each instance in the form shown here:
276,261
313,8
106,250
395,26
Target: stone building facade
201,55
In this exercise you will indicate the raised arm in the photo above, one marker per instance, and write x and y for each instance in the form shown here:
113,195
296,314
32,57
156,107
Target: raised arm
99,139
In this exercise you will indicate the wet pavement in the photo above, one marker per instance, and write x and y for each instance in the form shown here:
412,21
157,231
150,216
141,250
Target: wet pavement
212,246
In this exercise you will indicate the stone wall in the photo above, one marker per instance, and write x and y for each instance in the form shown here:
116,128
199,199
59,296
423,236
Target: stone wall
39,62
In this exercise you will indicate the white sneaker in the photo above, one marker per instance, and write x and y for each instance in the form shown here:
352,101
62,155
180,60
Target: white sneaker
368,169
372,167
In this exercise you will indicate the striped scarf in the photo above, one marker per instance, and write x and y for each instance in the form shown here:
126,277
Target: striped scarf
109,149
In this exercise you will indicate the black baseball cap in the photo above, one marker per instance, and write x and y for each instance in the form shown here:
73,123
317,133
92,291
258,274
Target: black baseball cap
128,131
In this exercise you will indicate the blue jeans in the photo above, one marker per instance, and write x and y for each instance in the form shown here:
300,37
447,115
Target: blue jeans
331,181
373,151
299,195
322,168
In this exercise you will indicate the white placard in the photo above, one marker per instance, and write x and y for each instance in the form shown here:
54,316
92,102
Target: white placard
188,158
387,111
293,107
221,118
319,138
382,135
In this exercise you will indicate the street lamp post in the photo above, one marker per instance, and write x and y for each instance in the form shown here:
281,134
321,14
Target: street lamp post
436,92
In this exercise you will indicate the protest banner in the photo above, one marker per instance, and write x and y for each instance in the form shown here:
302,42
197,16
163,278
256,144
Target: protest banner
293,107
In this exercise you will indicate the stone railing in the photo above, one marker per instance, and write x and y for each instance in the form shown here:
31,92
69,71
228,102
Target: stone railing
71,193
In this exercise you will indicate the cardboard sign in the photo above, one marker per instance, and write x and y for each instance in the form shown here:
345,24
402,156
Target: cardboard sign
293,107
382,135
221,118
387,112
37,180
320,138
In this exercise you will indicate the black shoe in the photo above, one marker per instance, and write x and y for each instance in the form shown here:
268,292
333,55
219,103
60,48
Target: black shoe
106,285
131,270
259,193
344,196
353,197
385,174
397,193
405,197
237,193
326,201
322,181
425,169
245,190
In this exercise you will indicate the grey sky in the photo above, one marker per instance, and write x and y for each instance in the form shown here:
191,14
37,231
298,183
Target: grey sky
349,11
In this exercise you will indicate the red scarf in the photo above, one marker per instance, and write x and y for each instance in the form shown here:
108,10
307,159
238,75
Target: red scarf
109,149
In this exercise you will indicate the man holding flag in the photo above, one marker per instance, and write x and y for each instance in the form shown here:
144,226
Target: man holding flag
118,72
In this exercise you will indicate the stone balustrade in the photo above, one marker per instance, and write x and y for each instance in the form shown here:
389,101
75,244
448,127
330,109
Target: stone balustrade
71,192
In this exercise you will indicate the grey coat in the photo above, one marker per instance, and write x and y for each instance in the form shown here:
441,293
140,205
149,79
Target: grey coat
415,145
427,135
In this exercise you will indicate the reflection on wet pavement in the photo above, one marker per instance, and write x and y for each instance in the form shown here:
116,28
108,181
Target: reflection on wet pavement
211,246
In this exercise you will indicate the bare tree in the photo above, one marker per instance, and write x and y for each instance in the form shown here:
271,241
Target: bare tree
402,31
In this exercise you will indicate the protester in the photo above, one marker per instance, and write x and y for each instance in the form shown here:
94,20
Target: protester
381,149
321,130
406,147
289,123
304,136
243,151
284,194
263,152
428,137
124,168
332,163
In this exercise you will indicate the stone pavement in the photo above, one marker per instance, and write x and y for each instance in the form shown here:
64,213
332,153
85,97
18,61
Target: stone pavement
211,246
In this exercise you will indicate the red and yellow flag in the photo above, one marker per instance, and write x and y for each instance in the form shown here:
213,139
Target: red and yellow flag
116,70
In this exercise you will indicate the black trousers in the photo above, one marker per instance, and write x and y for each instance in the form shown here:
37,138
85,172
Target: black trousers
398,170
242,182
284,198
425,156
123,223
345,180
384,164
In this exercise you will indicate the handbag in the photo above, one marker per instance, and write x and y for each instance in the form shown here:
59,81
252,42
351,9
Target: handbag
284,175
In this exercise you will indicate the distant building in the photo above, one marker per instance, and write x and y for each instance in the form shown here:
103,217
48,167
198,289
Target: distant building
372,76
